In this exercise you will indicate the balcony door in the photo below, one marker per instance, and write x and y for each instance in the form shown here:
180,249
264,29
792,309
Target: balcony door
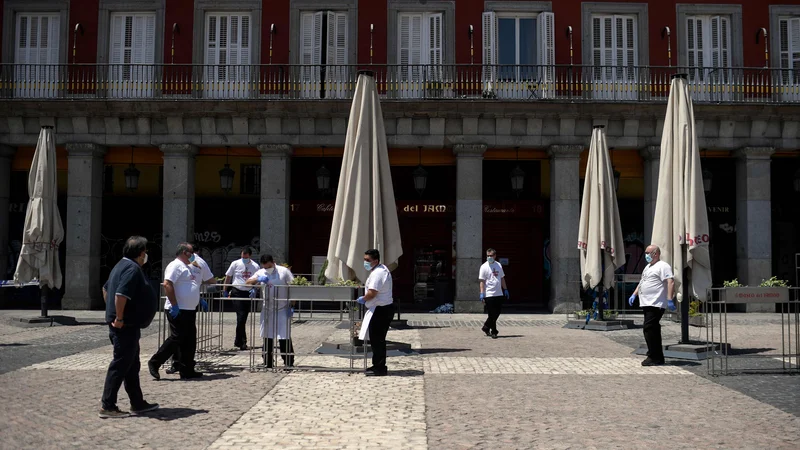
615,57
708,43
131,71
37,72
227,69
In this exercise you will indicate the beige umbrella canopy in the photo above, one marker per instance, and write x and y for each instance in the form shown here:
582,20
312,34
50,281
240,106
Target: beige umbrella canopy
43,230
365,215
600,231
680,225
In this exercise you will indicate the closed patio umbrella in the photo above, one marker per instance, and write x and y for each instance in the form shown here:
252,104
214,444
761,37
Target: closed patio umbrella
365,215
43,232
680,224
600,231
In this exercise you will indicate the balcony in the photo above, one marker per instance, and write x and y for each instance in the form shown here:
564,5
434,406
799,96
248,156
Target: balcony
605,84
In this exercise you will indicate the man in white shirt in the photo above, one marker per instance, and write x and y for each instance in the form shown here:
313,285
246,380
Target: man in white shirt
378,300
206,277
656,290
493,291
276,315
239,272
182,285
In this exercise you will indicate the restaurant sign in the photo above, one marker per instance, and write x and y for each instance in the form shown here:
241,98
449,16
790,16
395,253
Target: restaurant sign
311,208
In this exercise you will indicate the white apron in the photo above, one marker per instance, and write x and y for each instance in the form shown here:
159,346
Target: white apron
363,333
276,314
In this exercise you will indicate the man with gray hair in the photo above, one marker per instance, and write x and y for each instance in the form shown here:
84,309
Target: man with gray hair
656,290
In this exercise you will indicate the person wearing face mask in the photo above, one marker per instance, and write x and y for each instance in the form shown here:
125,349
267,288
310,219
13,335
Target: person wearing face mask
378,300
239,272
656,290
275,316
182,285
132,306
492,280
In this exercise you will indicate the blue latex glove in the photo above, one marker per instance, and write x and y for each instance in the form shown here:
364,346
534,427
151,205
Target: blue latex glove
505,292
174,311
631,299
361,301
483,297
671,305
252,293
203,305
226,294
291,311
263,279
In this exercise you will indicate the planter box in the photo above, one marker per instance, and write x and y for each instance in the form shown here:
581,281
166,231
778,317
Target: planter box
697,321
754,295
322,293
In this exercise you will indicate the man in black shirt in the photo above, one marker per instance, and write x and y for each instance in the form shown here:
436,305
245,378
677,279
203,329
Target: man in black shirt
130,306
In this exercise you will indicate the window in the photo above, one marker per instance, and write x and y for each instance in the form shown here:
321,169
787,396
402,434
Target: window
36,54
131,54
789,29
250,179
325,73
419,53
614,55
523,64
227,71
708,41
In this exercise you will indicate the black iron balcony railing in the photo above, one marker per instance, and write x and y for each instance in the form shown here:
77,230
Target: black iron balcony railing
395,82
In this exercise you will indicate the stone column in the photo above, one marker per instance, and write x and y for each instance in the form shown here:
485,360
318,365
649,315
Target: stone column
179,162
275,182
6,156
83,227
469,225
754,219
565,209
652,161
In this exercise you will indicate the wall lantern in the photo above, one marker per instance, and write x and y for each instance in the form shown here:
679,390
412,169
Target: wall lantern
517,177
226,175
132,175
616,178
420,176
708,177
323,175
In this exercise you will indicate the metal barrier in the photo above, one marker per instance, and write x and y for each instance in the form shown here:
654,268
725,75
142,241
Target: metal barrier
276,320
715,313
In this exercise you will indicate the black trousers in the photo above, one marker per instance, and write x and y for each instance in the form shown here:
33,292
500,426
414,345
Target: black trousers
124,367
285,347
652,332
493,307
181,342
242,311
378,327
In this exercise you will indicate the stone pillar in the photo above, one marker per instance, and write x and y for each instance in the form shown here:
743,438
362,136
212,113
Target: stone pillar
652,161
6,156
275,182
469,225
754,219
83,288
565,209
179,161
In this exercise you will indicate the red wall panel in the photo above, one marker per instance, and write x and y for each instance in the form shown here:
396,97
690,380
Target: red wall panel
372,12
86,13
276,12
182,13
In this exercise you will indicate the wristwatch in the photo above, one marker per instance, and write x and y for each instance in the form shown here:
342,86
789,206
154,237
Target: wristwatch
117,319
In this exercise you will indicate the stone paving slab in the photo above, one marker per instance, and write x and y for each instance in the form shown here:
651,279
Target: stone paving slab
545,366
618,411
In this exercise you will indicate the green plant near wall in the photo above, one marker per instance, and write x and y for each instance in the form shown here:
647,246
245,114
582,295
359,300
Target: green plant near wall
774,282
321,278
694,308
340,282
300,281
733,284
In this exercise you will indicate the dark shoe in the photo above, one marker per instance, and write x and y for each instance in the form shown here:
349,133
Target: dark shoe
494,335
190,375
172,369
377,373
153,369
486,331
145,408
243,347
114,413
651,362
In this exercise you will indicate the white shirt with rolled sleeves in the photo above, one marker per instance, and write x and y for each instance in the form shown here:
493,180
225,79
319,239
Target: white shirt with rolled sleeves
185,279
241,272
280,309
380,279
492,275
653,286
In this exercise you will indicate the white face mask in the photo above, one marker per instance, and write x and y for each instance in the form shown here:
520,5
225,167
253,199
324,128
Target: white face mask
490,260
145,259
270,270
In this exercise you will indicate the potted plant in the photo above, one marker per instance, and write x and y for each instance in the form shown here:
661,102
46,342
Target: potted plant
771,290
695,316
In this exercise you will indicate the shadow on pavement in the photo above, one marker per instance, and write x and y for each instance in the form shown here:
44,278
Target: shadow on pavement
750,351
509,336
167,414
15,344
680,363
205,377
406,373
427,351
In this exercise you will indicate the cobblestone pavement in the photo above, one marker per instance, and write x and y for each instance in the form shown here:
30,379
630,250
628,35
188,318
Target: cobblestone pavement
538,386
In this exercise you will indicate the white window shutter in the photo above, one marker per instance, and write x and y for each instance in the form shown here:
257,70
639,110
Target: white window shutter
306,38
317,39
489,49
138,44
23,39
724,39
331,38
234,35
794,45
715,42
417,53
435,51
149,39
545,22
212,42
342,43
244,41
53,39
404,39
116,43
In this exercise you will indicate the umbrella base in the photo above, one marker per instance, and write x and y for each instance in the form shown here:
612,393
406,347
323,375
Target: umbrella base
343,348
695,351
600,325
60,320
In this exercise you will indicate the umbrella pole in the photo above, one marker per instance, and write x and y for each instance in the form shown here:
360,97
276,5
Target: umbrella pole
685,300
43,292
600,302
